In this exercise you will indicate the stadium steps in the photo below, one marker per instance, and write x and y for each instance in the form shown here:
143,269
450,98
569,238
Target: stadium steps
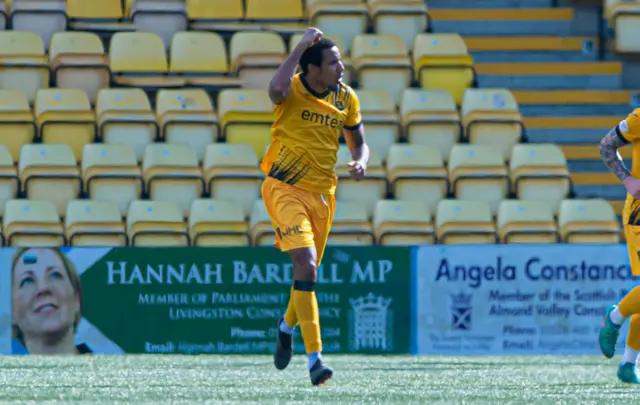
603,185
541,103
586,158
465,4
505,21
550,76
569,130
532,49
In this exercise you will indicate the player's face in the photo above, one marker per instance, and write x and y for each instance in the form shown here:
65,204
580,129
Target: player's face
44,300
332,68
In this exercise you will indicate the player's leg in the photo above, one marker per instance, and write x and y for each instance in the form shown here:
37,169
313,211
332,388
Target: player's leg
627,368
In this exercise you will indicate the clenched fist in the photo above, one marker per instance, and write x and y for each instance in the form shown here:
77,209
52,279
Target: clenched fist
311,36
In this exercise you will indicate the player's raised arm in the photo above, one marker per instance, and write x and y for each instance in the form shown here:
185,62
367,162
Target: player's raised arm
280,84
624,133
354,135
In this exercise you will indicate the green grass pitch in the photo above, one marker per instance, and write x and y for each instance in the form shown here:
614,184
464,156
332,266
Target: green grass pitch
358,379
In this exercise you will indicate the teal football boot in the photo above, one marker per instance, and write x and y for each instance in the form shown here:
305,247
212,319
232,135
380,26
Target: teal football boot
609,332
627,373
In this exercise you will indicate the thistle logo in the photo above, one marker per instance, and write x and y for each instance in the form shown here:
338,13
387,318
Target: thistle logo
461,311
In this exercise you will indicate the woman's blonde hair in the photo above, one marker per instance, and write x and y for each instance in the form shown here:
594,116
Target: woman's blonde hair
74,279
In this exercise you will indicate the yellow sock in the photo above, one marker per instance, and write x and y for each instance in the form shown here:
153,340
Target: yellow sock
633,336
306,305
290,317
630,304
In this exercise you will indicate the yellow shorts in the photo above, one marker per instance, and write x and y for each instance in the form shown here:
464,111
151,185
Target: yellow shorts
631,225
300,218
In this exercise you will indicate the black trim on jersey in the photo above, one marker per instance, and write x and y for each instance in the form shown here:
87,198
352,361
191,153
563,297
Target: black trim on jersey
353,128
312,91
288,169
622,138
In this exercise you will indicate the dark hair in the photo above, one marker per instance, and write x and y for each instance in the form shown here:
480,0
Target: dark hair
313,54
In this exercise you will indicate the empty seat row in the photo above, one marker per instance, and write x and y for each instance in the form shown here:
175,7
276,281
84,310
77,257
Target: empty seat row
222,223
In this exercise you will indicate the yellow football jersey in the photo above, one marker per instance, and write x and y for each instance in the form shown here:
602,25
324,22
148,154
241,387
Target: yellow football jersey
305,135
629,130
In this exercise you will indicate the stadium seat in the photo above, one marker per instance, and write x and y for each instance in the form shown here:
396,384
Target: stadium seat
49,172
43,17
403,223
32,223
349,71
111,173
255,57
156,223
78,61
623,17
285,16
441,61
23,63
379,115
161,17
217,223
17,126
124,117
231,173
492,117
246,116
103,15
9,181
529,222
344,18
382,63
215,15
367,191
430,118
588,221
478,173
351,226
539,172
65,116
262,233
465,223
171,173
404,18
200,58
417,173
94,223
187,117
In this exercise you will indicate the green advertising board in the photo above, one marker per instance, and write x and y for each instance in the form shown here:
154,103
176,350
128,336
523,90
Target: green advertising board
228,300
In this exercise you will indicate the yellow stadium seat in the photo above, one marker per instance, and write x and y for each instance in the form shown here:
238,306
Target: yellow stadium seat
246,117
171,173
262,233
417,173
9,181
367,191
404,18
588,221
17,126
98,16
215,15
4,16
492,117
441,61
217,223
430,118
23,63
231,173
77,60
381,120
187,117
111,173
539,172
382,63
44,17
49,172
139,59
478,173
623,17
94,223
521,221
351,226
465,223
124,116
32,223
344,18
402,223
276,14
255,57
156,223
65,116
349,71
161,17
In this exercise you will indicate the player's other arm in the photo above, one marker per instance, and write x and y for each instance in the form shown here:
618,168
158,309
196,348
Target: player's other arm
280,84
359,151
618,137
